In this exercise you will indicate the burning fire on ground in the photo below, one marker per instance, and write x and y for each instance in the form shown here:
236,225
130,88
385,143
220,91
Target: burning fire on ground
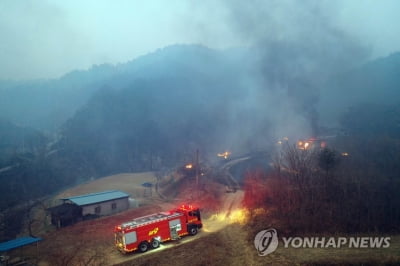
310,143
239,216
225,154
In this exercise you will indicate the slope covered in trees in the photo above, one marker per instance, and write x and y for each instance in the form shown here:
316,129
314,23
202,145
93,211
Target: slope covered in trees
376,82
154,112
349,186
47,104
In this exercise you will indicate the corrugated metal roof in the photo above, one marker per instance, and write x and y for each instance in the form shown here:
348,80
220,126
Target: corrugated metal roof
19,242
97,197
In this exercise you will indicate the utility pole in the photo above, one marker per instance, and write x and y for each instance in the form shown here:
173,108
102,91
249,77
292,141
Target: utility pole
197,172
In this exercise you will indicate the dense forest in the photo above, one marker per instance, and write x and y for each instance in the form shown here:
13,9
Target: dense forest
153,112
351,185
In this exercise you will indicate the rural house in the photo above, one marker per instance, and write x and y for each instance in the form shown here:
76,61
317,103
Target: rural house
86,206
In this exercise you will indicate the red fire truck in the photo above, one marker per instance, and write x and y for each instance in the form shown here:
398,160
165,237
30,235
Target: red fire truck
151,230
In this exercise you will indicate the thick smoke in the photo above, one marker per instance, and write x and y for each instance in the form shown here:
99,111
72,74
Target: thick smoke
295,47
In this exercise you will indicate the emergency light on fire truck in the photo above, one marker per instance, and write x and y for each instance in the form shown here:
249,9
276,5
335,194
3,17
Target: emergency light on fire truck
149,231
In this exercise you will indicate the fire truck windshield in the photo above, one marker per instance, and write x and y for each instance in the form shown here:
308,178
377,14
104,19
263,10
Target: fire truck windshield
195,213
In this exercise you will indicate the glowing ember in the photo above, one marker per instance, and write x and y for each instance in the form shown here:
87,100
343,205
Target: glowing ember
306,145
345,154
282,140
225,154
259,211
189,166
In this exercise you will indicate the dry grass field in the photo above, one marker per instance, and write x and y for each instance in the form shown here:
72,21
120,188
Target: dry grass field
92,242
233,246
130,183
224,240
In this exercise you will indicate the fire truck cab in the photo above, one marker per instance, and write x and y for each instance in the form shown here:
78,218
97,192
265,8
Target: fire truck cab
149,231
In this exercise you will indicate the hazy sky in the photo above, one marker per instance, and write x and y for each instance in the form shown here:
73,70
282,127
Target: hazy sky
47,38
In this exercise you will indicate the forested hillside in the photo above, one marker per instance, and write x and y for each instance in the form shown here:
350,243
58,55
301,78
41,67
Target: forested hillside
46,104
376,82
154,112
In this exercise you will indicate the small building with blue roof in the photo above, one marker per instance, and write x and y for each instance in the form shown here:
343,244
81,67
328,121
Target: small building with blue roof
86,206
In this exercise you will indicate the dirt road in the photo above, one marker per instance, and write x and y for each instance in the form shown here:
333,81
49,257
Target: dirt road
93,241
229,213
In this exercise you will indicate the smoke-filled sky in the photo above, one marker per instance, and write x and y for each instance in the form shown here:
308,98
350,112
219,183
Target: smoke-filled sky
46,39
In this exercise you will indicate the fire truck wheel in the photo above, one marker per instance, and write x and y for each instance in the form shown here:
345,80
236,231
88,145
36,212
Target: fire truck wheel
144,246
155,243
193,230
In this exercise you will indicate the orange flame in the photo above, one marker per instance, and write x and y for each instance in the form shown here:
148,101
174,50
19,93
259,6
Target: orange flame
224,154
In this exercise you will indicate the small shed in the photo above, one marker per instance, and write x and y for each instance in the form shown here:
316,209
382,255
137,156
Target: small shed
19,242
87,206
14,244
65,214
101,203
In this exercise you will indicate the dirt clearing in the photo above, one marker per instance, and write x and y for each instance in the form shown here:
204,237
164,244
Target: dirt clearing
131,183
225,238
92,242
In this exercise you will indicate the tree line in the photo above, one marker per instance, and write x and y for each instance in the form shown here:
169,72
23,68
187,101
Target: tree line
352,185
